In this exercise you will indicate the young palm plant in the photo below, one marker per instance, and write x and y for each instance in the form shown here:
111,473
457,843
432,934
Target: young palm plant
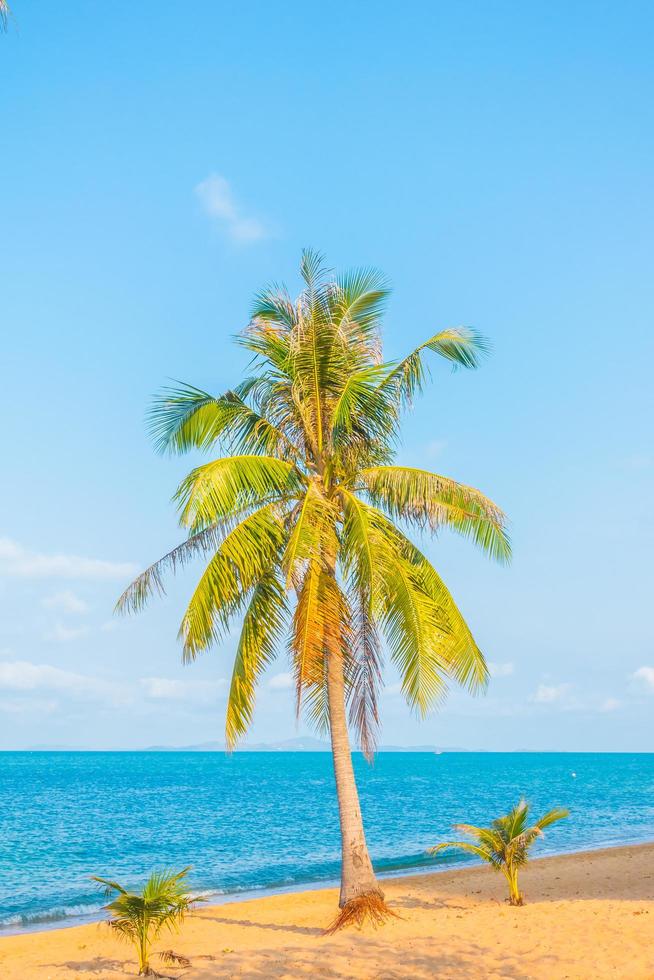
297,519
505,844
140,917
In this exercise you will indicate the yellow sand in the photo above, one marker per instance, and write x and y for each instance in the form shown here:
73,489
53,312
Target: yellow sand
588,915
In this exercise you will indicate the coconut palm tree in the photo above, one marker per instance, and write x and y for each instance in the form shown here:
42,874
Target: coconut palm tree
140,917
505,844
302,506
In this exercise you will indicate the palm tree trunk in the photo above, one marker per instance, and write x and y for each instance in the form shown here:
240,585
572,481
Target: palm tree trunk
357,877
515,898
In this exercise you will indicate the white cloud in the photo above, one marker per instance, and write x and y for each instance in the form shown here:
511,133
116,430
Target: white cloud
217,198
281,682
66,602
19,562
500,670
38,707
26,677
646,675
35,682
64,634
610,704
550,694
169,689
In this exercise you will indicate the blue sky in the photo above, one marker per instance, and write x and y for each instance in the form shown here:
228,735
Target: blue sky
496,161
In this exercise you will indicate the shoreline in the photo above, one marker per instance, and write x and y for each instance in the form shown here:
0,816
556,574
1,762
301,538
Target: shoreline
588,915
216,900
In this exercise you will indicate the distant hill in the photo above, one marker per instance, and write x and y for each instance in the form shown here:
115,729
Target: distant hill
306,744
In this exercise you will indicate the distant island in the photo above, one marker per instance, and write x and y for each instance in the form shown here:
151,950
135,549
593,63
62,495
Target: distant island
306,744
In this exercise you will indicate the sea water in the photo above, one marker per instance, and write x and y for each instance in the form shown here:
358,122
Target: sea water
258,821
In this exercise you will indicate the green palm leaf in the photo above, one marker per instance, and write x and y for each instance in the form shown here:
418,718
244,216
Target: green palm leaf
462,346
216,490
426,499
262,632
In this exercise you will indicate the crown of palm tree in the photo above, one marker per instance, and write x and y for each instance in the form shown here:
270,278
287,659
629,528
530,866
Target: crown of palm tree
305,502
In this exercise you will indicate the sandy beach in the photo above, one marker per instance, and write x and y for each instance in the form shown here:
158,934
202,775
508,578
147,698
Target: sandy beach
589,915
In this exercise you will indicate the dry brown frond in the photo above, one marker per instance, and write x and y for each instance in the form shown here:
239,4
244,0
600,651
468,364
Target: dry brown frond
171,957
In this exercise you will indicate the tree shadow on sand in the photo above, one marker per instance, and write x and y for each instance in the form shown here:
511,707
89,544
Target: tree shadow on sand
93,965
435,904
342,963
273,926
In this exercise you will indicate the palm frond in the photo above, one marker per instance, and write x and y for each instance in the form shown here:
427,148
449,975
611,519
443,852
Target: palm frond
171,958
261,633
186,418
151,581
427,499
559,813
479,852
463,659
321,623
427,636
364,673
274,307
362,409
212,492
313,532
313,270
249,551
358,302
462,346
108,885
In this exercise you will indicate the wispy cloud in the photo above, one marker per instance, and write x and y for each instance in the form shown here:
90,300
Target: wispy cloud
169,689
646,676
19,562
610,704
281,682
500,670
217,198
551,694
66,602
36,682
64,634
23,676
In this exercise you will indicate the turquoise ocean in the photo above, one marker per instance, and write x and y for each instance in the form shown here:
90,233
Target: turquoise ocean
259,821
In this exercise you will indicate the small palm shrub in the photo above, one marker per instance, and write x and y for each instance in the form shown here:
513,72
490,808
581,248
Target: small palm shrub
139,917
505,844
